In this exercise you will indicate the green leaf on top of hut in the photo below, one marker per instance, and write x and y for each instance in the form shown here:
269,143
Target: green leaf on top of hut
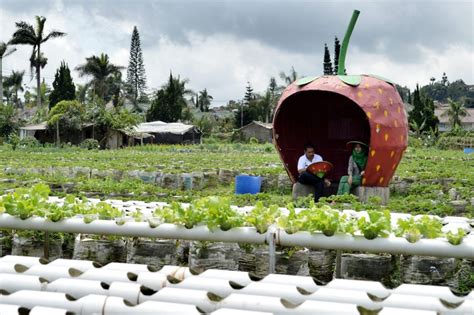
305,80
353,80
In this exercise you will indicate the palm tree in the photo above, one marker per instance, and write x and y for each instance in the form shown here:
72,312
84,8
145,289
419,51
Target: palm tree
15,81
455,112
292,77
100,69
26,34
4,52
204,100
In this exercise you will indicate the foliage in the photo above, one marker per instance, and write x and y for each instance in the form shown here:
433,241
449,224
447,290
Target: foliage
290,78
68,115
63,86
8,123
327,64
261,217
120,119
169,101
377,224
456,238
337,50
442,90
13,84
4,52
455,112
136,77
29,142
413,229
203,100
26,34
90,144
422,118
102,73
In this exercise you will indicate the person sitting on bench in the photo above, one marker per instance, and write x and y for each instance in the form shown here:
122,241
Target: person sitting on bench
355,169
305,177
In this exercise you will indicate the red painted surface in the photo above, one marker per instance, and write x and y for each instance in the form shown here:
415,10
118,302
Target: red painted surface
329,113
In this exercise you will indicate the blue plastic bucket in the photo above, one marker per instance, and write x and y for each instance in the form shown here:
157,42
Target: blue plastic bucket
468,150
245,184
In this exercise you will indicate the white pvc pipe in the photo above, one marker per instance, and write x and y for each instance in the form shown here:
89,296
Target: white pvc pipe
11,309
41,310
134,229
81,265
115,305
229,311
87,305
433,291
52,273
11,267
153,280
108,276
16,282
391,244
77,288
24,260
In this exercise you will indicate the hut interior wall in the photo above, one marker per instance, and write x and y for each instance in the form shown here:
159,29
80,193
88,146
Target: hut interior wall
325,119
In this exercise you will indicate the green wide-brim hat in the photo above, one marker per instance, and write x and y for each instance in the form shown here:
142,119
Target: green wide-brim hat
350,145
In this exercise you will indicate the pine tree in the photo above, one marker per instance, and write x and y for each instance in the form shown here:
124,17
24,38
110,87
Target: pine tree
136,78
422,117
416,115
249,96
169,101
337,49
327,64
63,86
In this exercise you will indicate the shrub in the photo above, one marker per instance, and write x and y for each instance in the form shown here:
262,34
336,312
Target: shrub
29,142
90,144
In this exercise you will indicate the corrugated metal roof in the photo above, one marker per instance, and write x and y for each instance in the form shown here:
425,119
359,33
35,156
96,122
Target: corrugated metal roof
445,118
40,126
162,127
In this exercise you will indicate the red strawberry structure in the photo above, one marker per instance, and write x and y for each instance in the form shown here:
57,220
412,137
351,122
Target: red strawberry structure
331,110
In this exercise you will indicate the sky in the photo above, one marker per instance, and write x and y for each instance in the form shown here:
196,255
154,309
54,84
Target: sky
222,45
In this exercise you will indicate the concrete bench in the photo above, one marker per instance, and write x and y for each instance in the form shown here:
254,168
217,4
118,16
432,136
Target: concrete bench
362,192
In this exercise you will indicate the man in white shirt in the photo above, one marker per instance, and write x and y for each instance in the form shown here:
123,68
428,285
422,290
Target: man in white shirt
305,177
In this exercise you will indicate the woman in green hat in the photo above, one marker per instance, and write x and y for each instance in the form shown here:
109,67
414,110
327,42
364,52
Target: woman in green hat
356,167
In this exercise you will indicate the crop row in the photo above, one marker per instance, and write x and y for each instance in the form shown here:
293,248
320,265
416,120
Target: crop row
216,213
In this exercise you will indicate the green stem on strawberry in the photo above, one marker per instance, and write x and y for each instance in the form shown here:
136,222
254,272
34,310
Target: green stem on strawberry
345,43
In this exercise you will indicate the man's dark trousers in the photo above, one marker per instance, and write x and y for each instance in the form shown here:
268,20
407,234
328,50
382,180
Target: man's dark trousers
307,178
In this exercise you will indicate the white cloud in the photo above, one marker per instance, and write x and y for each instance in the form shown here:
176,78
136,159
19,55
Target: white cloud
456,61
224,62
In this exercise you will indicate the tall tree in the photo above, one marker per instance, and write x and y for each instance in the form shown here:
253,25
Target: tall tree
15,81
204,100
444,79
290,78
169,101
337,50
422,116
455,112
327,64
136,77
63,86
100,69
67,116
274,94
4,52
26,34
249,96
